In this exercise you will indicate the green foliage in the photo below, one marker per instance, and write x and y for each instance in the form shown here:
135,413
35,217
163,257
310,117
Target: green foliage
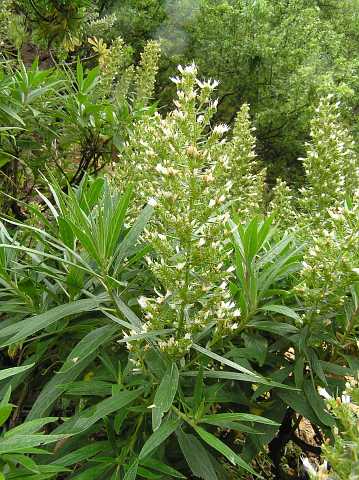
53,22
165,312
72,122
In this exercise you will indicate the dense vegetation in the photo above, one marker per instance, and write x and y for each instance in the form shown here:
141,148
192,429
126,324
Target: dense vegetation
179,247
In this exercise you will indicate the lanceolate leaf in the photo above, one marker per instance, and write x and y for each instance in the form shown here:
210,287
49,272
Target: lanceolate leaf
239,417
282,309
31,325
91,415
240,377
197,457
162,468
225,361
131,473
9,372
89,344
318,404
164,395
222,448
159,436
18,443
54,388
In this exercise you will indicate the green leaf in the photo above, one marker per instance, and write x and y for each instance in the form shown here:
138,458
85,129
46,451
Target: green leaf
132,236
83,453
197,457
165,395
30,427
19,443
298,402
225,361
9,372
31,325
26,462
12,114
96,388
161,467
299,371
222,448
92,473
5,412
131,473
242,377
278,328
128,313
282,309
88,417
159,436
318,404
239,417
89,344
198,390
52,390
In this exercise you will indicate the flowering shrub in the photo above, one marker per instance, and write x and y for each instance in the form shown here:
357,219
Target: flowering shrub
195,177
182,324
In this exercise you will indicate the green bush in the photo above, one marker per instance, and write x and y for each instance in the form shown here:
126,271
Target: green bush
159,328
164,313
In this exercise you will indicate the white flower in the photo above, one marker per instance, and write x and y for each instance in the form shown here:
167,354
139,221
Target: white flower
142,301
152,201
323,393
176,80
237,313
308,466
211,84
161,169
221,129
346,399
191,69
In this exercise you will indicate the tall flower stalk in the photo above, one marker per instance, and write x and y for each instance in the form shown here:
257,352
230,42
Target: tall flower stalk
197,177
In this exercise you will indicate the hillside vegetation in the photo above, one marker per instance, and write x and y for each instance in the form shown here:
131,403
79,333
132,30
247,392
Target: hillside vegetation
179,239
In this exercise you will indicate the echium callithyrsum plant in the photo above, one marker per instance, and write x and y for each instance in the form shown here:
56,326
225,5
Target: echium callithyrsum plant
326,217
331,165
329,284
331,174
196,177
120,80
329,208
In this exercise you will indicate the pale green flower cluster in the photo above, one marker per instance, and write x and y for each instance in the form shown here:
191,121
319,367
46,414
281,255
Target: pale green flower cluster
326,218
121,80
146,72
12,28
195,176
101,27
333,253
282,207
331,165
